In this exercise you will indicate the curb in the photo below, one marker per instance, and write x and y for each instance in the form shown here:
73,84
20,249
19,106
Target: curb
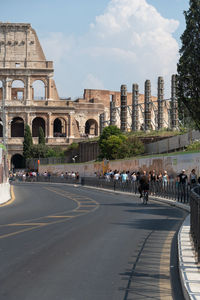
188,268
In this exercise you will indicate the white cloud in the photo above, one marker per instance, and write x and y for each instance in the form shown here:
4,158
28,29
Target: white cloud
92,82
130,42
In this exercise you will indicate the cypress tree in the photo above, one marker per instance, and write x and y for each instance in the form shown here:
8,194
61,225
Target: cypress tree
189,65
28,142
41,138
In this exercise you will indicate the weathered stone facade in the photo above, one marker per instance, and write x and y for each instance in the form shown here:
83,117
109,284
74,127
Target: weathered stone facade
22,66
22,61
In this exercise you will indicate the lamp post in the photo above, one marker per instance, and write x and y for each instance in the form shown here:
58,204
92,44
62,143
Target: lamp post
4,84
3,113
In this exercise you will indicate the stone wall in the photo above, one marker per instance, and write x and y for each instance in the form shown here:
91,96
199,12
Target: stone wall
172,163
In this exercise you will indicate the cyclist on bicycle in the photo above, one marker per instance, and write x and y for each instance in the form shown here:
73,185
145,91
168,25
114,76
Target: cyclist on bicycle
144,183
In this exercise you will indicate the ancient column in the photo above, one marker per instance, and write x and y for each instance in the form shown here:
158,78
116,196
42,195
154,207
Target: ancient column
102,122
147,105
174,110
135,95
123,108
160,102
70,128
28,94
50,125
112,111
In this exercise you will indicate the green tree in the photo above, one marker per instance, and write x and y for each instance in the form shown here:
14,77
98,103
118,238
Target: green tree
108,131
28,142
41,138
189,65
105,148
112,147
134,146
39,151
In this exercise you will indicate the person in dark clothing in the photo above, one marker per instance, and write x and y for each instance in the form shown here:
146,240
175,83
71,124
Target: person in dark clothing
182,188
182,177
144,183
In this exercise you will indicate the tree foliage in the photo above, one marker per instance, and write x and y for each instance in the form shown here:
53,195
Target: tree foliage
188,78
41,137
28,142
115,145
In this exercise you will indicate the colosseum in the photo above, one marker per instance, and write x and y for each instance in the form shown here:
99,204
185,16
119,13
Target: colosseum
24,71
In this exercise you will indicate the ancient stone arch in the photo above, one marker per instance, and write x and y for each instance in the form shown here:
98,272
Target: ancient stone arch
17,161
39,89
17,89
91,127
36,124
17,127
59,127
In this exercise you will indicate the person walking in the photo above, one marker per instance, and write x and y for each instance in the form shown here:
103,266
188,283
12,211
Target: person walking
192,178
182,179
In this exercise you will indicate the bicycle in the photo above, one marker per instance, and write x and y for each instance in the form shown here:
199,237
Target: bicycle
145,197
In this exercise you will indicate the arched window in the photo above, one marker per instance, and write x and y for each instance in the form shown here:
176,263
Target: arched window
59,127
36,124
17,127
1,128
17,90
17,161
38,90
91,127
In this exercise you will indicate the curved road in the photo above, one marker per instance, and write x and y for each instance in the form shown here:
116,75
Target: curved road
72,243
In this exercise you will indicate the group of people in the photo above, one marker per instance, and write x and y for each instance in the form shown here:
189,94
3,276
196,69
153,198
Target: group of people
157,182
153,176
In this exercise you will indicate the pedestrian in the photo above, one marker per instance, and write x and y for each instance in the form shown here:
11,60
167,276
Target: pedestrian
165,180
182,186
192,178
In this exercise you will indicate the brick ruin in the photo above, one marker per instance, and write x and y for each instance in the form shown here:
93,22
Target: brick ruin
24,71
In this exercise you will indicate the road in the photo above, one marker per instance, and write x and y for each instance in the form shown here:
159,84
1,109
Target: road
72,243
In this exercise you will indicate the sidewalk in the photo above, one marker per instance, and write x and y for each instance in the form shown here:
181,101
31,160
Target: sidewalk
189,271
4,192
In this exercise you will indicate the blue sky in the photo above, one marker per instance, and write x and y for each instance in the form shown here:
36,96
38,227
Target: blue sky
105,43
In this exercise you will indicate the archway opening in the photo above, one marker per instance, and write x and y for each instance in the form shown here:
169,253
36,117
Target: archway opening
37,123
91,127
17,127
38,90
17,90
59,128
17,161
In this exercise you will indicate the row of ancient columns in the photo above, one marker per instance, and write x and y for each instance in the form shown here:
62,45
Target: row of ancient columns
147,107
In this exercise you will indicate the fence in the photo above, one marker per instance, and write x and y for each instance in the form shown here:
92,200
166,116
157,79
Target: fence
195,219
48,178
172,143
171,190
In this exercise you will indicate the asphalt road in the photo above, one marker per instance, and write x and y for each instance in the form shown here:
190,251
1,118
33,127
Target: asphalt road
72,243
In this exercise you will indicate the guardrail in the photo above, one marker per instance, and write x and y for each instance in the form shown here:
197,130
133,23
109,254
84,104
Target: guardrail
195,219
51,179
171,190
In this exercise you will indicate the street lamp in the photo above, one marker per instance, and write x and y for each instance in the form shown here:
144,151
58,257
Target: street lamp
3,110
3,113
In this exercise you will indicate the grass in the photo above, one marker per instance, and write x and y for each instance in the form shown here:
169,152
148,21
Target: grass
156,133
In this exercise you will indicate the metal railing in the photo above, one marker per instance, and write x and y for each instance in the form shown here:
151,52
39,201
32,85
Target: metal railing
48,178
195,219
170,190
